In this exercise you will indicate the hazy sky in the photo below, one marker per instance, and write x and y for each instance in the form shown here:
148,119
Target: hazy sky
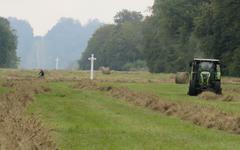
43,14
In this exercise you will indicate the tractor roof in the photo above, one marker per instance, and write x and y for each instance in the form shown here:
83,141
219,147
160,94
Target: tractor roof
208,60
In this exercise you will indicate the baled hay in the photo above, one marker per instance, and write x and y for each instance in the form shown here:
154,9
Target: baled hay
182,78
105,70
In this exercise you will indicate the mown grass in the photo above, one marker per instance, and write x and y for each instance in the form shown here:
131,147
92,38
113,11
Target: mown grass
90,120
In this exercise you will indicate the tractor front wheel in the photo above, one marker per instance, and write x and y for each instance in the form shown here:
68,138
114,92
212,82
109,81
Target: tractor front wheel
192,89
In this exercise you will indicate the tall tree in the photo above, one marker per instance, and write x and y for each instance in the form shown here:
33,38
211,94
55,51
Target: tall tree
8,45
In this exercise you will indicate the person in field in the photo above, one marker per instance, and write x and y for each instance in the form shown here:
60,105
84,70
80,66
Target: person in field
41,73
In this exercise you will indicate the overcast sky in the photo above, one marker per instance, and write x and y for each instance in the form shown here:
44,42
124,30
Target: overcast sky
43,14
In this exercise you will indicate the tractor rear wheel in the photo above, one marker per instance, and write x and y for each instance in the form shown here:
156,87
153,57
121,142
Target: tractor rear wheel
217,87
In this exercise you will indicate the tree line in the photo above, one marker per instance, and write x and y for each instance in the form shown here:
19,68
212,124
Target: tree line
175,33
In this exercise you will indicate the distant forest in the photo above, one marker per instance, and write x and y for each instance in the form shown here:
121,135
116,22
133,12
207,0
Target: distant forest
176,32
66,40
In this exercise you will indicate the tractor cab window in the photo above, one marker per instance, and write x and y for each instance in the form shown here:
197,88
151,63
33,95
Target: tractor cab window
206,66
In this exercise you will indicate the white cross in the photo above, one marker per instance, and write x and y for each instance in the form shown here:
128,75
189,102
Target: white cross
92,59
57,62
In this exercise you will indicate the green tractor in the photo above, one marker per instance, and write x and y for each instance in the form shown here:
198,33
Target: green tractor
205,75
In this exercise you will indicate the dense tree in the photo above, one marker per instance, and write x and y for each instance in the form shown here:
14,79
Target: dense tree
96,45
218,31
169,42
116,45
179,30
8,45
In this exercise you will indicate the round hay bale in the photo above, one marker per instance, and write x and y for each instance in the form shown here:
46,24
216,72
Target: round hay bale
105,70
182,78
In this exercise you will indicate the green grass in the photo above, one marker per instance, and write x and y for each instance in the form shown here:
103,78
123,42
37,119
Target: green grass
3,90
90,120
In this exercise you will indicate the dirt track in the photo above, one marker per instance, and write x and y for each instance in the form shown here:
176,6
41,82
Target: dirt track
199,115
19,131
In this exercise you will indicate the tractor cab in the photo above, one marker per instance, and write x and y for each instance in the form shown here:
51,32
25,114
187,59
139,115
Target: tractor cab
205,74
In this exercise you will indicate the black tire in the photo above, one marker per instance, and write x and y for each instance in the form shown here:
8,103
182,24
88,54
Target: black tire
217,87
192,89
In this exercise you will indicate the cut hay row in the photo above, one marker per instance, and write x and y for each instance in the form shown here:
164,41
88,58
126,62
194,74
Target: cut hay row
123,77
208,95
199,115
19,131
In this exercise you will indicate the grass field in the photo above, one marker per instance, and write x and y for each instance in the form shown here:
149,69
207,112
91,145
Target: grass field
89,119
